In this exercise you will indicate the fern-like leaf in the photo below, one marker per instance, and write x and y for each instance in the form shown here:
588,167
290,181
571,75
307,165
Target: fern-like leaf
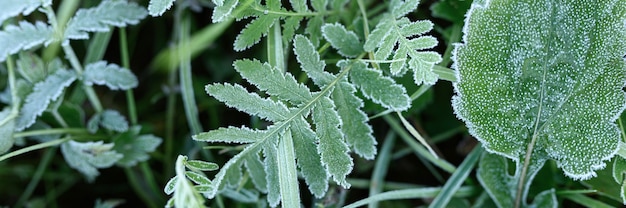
395,31
236,96
254,31
11,8
158,7
272,80
379,88
98,19
111,75
43,92
23,36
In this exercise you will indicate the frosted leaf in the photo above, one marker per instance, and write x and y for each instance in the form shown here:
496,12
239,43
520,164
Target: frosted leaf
333,151
201,165
357,132
12,8
31,67
310,62
89,156
273,81
270,151
111,75
230,135
400,33
197,178
553,71
23,36
135,148
400,8
346,42
254,31
43,92
257,172
158,7
170,186
98,19
7,125
377,87
309,161
113,120
235,96
222,11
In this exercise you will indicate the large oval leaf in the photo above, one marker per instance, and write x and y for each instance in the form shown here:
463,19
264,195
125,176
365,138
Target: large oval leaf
549,71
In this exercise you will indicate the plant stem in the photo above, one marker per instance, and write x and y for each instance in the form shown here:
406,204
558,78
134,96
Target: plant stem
130,97
41,169
134,183
186,82
33,147
51,131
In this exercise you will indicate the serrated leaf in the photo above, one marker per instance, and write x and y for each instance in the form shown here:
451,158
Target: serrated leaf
310,61
113,120
235,96
273,81
230,135
299,5
400,8
333,151
357,132
399,33
197,178
290,25
257,172
346,42
135,148
23,36
111,75
170,186
377,87
309,161
561,71
89,156
7,125
222,11
254,31
98,19
158,7
314,27
43,92
12,8
201,165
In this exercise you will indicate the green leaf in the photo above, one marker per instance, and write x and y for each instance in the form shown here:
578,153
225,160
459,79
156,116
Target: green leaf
45,91
158,7
23,36
333,151
273,81
197,178
113,120
310,61
235,96
111,75
222,11
135,148
32,68
399,33
377,87
309,161
201,165
254,31
7,125
98,19
400,8
257,172
170,186
12,8
357,132
230,135
559,71
270,150
89,156
346,42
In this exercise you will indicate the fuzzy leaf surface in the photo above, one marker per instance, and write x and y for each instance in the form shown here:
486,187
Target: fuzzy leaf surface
201,165
559,71
235,96
101,17
400,33
333,151
7,126
43,93
135,148
23,36
272,80
89,156
158,7
113,120
346,42
377,87
12,8
111,75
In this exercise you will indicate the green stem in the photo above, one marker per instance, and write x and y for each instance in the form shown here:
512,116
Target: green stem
91,93
445,73
41,169
130,97
186,82
33,148
51,131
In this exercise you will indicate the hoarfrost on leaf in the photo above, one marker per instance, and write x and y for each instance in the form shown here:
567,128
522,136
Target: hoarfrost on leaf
7,125
544,71
12,8
23,36
98,19
111,75
158,7
89,156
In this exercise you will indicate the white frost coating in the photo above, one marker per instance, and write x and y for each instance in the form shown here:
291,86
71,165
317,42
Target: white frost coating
546,70
45,91
111,75
23,36
11,8
98,19
89,156
158,7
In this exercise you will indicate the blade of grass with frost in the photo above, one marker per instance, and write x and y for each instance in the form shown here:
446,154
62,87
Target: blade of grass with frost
544,75
416,134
